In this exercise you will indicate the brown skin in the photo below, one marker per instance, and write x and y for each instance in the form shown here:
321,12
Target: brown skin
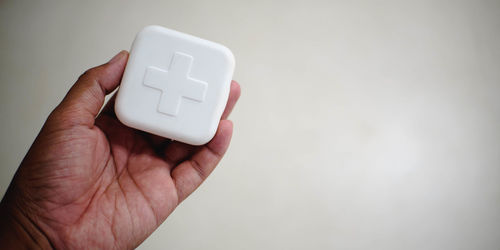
88,181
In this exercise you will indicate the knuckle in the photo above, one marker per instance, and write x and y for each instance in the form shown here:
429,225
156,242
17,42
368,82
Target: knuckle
89,74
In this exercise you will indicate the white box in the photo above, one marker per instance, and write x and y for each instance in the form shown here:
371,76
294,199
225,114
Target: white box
175,85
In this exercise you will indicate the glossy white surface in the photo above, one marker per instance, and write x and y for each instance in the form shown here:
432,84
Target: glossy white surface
175,85
362,124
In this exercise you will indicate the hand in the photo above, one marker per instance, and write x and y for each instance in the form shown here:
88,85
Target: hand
89,181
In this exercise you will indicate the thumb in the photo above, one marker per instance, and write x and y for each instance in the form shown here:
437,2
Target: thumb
82,103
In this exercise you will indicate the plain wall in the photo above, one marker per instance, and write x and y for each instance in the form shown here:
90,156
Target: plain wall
361,125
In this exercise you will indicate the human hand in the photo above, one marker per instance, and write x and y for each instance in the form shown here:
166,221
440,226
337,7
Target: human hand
88,181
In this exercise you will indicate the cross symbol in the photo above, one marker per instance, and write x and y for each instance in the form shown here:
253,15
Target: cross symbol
175,84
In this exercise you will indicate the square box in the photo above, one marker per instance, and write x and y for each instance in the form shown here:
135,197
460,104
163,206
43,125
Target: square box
175,85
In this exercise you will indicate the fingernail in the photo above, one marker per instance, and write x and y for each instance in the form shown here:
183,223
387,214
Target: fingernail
116,57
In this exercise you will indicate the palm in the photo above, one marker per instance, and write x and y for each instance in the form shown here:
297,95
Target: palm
103,183
126,189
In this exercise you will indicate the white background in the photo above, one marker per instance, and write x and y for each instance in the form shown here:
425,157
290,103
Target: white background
362,124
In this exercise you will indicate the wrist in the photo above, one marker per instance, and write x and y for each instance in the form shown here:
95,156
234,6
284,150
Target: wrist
17,230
